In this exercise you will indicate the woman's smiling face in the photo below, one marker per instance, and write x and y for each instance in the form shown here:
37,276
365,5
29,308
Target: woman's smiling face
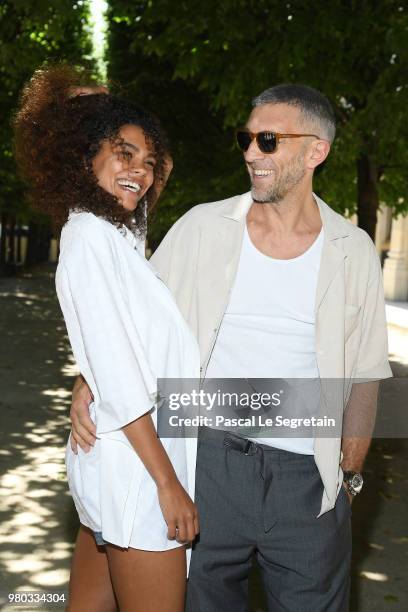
126,169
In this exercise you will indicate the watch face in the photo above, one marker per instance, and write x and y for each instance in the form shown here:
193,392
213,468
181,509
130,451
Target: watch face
356,482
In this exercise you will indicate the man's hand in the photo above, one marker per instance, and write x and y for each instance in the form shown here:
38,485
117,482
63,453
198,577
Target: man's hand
349,495
83,428
87,91
167,168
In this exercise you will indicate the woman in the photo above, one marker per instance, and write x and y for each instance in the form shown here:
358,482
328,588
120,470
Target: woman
97,164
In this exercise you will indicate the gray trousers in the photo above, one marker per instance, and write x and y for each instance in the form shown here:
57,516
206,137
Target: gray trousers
256,500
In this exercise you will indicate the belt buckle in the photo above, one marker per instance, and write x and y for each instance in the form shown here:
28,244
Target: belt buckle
248,446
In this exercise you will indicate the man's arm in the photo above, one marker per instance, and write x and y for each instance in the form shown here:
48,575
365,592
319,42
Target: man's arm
358,425
372,366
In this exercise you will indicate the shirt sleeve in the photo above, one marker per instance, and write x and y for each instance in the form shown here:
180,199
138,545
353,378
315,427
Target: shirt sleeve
372,363
104,337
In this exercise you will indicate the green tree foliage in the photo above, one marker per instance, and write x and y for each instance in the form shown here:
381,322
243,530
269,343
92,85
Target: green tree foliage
32,32
221,54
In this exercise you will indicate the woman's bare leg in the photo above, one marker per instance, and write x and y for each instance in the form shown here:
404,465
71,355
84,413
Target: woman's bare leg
146,581
90,586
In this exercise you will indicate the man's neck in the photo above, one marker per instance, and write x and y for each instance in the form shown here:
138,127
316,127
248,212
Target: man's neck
295,213
285,229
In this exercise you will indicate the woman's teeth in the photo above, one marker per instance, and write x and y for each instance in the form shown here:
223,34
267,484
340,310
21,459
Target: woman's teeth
130,185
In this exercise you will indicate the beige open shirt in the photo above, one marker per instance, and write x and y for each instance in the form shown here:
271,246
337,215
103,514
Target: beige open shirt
198,260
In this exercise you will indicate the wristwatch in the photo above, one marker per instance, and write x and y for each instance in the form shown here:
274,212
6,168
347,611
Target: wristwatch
354,482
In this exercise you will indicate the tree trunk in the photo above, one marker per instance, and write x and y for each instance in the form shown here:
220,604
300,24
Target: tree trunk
38,244
3,221
367,198
12,248
18,254
32,245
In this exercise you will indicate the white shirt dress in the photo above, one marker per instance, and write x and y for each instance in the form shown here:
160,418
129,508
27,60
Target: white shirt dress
126,332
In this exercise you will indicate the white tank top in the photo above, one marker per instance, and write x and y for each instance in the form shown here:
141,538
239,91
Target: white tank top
268,329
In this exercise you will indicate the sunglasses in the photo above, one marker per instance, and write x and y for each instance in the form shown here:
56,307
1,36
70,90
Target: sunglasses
267,141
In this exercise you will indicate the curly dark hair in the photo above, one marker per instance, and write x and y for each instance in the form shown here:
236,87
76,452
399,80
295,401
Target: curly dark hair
57,135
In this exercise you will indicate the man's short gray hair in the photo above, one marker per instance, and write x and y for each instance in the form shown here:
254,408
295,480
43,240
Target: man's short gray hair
314,106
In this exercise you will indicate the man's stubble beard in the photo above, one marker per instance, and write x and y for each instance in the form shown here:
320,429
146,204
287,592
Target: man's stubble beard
292,175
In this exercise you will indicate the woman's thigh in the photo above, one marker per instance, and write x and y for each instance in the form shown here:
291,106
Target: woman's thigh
147,581
90,586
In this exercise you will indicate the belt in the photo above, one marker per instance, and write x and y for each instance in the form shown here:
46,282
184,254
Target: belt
248,447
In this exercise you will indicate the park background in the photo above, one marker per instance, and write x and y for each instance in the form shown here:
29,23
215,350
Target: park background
197,65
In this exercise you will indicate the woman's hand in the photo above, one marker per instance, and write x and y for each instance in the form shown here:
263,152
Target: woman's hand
83,428
179,511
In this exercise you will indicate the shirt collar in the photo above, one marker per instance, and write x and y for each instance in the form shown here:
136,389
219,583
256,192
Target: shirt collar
334,225
137,242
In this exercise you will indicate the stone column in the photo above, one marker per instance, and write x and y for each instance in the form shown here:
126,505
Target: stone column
383,229
24,244
395,265
53,252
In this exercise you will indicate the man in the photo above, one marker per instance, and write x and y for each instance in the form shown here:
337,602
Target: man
275,284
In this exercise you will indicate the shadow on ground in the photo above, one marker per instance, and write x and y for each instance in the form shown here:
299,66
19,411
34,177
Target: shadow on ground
37,521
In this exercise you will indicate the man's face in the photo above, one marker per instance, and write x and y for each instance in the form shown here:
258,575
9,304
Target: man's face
275,175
